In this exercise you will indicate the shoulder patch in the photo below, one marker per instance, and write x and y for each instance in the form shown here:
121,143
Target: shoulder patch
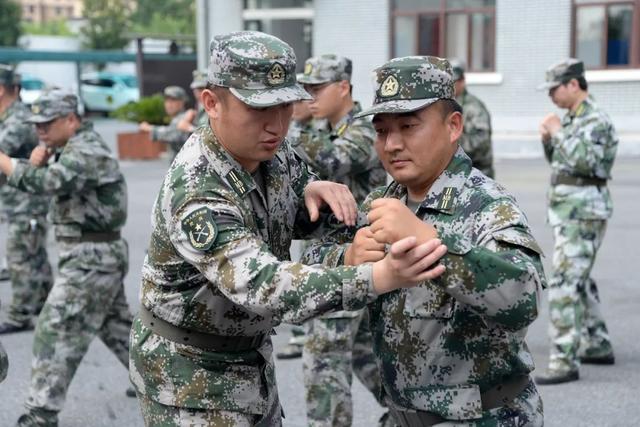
200,229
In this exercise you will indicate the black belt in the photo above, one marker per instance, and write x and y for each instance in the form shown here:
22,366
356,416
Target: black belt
218,343
495,397
582,181
95,237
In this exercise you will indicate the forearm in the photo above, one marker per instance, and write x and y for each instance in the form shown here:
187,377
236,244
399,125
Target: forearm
6,165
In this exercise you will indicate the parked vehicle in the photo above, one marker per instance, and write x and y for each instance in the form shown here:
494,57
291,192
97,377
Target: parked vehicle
107,91
31,88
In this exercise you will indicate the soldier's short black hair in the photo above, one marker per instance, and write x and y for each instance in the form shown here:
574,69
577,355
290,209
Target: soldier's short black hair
448,106
582,82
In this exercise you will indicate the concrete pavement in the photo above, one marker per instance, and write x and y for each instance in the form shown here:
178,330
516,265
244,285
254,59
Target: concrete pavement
605,396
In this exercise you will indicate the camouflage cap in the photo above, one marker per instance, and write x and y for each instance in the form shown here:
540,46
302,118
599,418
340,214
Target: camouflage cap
8,75
199,79
562,72
410,83
53,104
326,68
259,69
175,92
457,67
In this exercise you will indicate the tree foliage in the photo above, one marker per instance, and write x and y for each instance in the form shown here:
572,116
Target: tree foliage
107,23
10,16
51,28
165,16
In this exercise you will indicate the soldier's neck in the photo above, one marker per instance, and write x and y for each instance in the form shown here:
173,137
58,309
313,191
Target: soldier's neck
579,100
346,107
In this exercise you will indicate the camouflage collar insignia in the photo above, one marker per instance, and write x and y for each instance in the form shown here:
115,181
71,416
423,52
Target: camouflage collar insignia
237,183
445,202
308,68
389,87
342,128
200,228
276,75
35,109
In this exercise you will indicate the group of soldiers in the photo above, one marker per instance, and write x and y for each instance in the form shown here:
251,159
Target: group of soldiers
423,287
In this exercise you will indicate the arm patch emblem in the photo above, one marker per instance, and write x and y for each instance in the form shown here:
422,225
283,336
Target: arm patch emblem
200,229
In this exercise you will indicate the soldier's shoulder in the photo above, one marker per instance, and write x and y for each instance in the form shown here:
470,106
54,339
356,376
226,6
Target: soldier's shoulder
472,101
482,192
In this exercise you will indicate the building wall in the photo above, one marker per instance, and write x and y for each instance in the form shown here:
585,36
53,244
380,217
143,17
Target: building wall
358,29
39,11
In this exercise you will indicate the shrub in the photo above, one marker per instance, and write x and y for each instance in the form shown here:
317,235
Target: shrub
149,109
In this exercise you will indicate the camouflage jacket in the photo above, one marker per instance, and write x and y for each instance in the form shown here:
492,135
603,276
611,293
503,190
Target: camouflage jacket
17,140
217,263
584,147
344,154
476,137
89,191
441,344
170,133
4,363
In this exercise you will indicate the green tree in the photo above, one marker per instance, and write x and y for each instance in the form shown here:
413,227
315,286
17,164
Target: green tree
165,16
10,16
107,22
51,28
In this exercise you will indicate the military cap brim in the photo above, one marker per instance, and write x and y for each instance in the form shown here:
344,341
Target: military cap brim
260,98
312,80
548,85
398,106
42,118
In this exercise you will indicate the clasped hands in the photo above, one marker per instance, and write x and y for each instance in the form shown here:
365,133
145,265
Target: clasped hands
414,251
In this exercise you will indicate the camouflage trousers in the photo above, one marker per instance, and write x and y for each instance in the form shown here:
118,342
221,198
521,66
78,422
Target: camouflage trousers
577,327
156,414
87,300
29,267
335,348
525,410
4,363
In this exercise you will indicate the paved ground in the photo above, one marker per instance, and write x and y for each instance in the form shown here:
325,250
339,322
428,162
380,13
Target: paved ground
605,396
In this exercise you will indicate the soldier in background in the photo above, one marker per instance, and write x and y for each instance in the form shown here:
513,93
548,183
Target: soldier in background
476,138
581,149
339,147
4,363
451,351
300,122
88,211
196,117
217,279
175,99
28,263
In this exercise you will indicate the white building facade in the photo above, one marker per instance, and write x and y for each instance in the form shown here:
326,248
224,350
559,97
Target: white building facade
508,43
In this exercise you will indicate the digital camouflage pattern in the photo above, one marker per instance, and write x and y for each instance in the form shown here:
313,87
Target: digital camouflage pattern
562,72
410,83
28,263
51,105
170,134
326,68
175,92
344,153
87,298
337,346
258,68
584,147
199,79
202,118
476,136
217,264
441,344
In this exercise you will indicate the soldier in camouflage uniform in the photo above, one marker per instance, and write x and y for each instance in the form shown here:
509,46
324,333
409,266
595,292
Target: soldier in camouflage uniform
29,267
581,149
216,279
88,210
4,363
175,99
451,350
197,117
340,149
476,138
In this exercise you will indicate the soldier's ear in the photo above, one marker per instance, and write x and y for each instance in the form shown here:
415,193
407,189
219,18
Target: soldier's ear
455,124
212,101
